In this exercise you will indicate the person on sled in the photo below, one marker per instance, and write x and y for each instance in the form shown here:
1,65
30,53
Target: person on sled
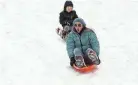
82,45
66,19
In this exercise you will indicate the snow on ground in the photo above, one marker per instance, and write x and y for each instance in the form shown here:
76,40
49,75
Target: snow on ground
31,53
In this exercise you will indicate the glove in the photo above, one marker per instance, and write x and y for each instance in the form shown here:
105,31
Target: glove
72,61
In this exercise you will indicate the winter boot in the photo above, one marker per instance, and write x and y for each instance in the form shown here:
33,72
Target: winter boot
61,33
79,61
93,57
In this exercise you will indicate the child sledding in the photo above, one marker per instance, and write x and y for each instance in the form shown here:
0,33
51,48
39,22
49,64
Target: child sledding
66,18
82,44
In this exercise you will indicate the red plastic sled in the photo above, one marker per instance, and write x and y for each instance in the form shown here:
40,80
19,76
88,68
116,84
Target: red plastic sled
85,69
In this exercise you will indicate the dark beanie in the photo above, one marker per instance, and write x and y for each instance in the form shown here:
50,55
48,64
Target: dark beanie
68,3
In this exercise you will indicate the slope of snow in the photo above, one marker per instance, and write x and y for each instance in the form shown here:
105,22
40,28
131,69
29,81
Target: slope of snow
31,53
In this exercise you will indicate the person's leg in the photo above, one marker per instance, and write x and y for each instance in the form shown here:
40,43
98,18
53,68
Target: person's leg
64,32
60,32
92,56
67,29
87,60
79,58
78,52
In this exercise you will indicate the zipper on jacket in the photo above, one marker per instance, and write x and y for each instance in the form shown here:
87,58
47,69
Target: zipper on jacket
81,43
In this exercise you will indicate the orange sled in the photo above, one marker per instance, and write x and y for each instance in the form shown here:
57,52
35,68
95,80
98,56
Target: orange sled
85,69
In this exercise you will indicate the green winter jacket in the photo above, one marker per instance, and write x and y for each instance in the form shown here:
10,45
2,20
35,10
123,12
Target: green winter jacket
87,39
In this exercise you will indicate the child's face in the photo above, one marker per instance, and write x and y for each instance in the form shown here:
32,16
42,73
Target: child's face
69,8
78,26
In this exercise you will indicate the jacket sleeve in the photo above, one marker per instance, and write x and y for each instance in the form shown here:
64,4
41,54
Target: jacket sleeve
76,16
94,42
70,46
61,19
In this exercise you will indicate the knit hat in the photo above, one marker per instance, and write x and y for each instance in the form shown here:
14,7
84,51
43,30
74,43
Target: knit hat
68,3
79,20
